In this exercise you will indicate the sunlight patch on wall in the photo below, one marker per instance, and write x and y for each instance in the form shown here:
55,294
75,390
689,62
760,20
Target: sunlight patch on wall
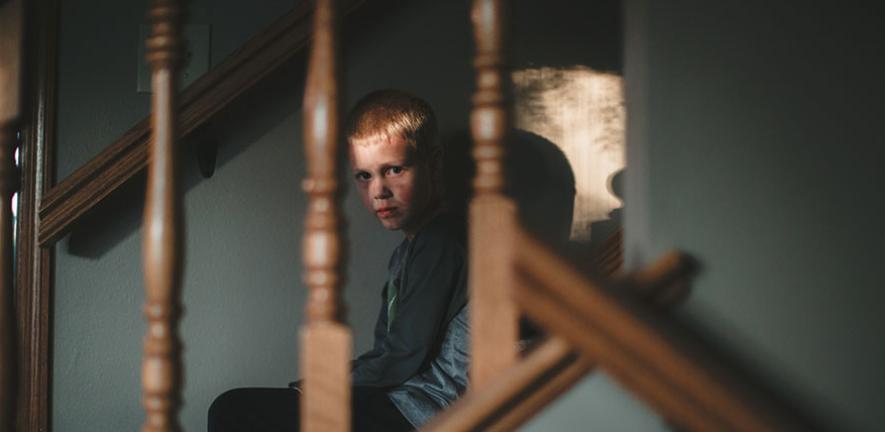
582,112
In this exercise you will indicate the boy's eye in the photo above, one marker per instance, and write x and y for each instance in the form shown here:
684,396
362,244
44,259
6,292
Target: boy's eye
362,176
395,170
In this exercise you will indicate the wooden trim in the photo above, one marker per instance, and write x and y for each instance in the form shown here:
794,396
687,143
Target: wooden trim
648,353
34,263
90,184
326,342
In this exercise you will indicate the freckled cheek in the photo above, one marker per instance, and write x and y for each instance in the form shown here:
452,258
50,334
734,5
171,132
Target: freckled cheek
402,192
404,196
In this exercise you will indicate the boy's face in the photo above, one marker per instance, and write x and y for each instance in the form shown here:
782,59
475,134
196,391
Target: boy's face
392,183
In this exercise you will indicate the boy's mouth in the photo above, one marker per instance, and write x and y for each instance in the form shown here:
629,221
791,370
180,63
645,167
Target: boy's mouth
385,212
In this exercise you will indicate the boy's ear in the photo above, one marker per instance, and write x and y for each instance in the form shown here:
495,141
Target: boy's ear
435,166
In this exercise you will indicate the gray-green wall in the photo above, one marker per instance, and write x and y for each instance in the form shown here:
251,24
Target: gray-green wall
243,295
755,143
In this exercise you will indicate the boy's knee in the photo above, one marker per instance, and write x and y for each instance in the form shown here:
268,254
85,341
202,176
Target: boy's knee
254,409
225,407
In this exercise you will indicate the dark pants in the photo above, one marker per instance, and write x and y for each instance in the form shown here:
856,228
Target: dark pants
277,410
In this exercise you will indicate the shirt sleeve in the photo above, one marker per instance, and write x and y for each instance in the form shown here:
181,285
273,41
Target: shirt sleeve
434,274
381,323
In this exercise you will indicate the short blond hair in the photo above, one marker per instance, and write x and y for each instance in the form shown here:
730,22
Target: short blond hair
388,113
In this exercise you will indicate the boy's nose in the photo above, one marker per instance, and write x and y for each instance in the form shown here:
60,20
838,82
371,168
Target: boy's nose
380,190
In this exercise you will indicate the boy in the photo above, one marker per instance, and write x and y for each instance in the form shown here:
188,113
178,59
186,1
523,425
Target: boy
418,364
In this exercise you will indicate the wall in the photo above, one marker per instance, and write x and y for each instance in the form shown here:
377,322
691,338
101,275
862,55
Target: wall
97,65
242,291
755,144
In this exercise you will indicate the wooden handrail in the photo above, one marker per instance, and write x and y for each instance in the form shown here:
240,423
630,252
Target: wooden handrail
326,342
475,408
548,391
667,283
664,282
646,352
608,257
123,160
11,43
552,368
163,228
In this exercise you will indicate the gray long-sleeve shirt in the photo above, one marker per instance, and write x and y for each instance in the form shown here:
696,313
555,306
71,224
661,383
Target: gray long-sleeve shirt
422,359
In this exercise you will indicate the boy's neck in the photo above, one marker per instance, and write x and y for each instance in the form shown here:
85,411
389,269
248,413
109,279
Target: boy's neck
428,216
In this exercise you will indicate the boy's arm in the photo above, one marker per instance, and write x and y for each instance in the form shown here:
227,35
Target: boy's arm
436,275
379,334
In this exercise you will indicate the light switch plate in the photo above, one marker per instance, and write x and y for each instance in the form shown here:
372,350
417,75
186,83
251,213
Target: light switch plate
196,60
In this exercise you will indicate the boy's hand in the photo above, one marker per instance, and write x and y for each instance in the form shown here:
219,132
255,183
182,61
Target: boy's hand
296,385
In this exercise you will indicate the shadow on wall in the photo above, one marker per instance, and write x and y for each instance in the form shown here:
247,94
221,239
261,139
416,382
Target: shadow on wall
603,229
539,179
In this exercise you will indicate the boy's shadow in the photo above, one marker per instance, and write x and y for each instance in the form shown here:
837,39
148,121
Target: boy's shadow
541,182
539,179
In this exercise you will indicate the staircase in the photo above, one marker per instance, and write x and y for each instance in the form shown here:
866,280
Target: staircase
605,321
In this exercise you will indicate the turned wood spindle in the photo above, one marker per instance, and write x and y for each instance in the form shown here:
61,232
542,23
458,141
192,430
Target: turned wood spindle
11,28
162,367
325,341
494,329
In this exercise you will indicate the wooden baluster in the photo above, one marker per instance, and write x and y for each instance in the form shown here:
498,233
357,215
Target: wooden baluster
11,28
493,316
325,341
161,368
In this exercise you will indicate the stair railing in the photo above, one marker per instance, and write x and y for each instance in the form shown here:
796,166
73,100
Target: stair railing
511,272
553,367
591,322
643,350
124,159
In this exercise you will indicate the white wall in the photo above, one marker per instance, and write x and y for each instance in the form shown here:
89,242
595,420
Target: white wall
755,144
